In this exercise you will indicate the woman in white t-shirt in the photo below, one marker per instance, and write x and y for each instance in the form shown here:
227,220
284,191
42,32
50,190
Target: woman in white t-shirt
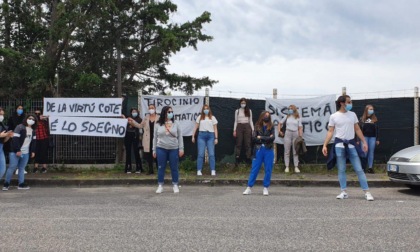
294,130
206,124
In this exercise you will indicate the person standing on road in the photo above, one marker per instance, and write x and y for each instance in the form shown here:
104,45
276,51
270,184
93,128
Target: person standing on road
168,145
369,126
345,124
22,148
5,135
42,133
294,129
131,143
263,138
206,124
242,130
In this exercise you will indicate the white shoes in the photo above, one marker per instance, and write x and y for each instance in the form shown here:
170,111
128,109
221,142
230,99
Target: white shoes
286,170
265,191
160,189
297,170
17,172
247,191
213,172
199,173
176,189
342,195
368,196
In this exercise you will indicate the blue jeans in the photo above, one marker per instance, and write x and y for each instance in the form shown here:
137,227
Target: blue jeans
265,156
371,143
206,139
357,166
2,162
163,156
17,162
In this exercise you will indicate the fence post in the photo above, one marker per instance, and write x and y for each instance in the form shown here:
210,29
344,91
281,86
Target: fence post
343,91
416,116
275,145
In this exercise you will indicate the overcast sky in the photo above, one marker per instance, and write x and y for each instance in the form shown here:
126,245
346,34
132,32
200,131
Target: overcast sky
305,47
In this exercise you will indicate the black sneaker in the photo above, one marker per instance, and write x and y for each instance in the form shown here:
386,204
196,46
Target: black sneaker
6,187
370,170
35,170
43,170
23,186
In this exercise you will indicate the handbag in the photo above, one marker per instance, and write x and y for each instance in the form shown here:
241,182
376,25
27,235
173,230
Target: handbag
283,129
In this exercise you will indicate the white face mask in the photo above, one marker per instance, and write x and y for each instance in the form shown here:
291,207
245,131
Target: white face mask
243,105
151,111
30,122
1,118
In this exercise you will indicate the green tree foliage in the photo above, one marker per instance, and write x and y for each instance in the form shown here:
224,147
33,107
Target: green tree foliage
71,48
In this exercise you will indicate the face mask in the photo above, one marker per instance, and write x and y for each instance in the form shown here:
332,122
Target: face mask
290,111
30,122
151,111
349,107
19,111
243,105
206,111
134,114
370,112
266,119
170,115
1,118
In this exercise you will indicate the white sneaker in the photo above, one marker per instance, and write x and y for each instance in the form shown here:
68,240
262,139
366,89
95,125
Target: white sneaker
213,172
176,189
247,191
342,195
297,170
199,173
160,189
286,170
265,191
368,196
25,172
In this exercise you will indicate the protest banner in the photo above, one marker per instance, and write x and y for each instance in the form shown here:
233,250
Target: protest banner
314,114
88,126
101,107
186,108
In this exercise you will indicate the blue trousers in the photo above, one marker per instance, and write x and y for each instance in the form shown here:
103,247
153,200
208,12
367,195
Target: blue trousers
265,156
16,162
163,156
206,139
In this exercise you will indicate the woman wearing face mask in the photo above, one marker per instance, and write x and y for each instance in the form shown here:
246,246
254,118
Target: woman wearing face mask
369,126
4,138
131,143
168,145
22,148
148,125
263,139
16,118
206,124
294,130
242,130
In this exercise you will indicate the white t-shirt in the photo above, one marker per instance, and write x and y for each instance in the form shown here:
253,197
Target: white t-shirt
344,125
206,124
27,142
292,123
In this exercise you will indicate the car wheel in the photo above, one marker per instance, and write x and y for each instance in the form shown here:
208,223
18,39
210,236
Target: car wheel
414,187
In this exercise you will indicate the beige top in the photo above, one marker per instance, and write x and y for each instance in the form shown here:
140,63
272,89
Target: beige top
241,118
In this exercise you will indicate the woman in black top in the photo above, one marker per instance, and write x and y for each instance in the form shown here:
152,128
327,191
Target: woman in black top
132,142
369,126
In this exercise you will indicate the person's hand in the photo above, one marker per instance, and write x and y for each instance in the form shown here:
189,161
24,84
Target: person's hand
32,154
181,153
11,133
215,141
258,137
154,154
193,139
324,150
4,134
234,133
281,133
365,147
18,154
377,142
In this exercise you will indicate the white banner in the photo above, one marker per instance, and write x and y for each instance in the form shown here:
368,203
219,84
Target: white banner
88,126
314,114
83,107
186,108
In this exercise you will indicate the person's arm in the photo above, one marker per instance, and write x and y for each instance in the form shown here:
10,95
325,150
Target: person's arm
216,134
359,134
268,139
250,120
300,130
32,146
194,130
155,131
235,123
327,140
180,141
377,133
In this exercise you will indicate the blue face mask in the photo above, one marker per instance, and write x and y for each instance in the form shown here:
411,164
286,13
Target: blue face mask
349,107
134,114
290,111
170,115
19,111
206,111
370,112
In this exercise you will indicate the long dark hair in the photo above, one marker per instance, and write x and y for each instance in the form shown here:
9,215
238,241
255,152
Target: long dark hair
246,109
164,115
260,123
26,119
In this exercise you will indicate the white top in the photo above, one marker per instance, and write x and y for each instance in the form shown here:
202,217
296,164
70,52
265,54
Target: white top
241,118
27,142
344,125
292,123
206,124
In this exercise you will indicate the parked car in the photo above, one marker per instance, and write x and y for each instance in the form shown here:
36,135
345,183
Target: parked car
404,167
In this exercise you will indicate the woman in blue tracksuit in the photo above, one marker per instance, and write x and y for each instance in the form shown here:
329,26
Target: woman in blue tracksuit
263,138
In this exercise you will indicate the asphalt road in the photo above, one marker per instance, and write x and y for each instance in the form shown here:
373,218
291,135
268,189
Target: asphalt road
203,218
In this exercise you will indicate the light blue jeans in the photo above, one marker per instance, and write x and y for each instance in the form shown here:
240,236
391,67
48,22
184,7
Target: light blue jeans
19,163
357,166
371,143
265,156
205,139
163,156
2,162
